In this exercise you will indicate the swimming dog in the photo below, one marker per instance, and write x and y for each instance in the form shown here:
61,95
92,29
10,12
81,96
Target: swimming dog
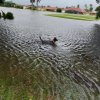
49,42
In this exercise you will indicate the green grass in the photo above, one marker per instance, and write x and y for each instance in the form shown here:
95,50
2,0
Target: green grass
74,16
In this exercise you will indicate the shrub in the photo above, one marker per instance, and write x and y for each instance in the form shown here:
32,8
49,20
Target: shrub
9,4
19,6
59,10
9,15
34,8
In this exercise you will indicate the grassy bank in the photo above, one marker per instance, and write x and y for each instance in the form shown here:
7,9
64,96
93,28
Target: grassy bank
74,16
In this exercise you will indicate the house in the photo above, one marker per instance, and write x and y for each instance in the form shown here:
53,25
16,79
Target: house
53,9
27,6
93,13
41,8
74,10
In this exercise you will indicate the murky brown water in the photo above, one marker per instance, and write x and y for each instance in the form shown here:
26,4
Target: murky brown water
28,69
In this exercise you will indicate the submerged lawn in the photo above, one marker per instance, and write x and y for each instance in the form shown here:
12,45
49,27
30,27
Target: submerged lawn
74,16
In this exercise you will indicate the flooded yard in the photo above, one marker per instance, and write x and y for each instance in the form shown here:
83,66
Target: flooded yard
32,71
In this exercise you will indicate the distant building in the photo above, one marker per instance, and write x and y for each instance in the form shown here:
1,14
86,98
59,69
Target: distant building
93,13
53,9
41,8
74,10
27,7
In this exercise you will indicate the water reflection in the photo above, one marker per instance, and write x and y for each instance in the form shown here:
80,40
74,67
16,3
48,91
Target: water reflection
29,69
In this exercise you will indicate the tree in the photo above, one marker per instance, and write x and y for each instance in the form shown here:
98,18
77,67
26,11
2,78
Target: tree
67,7
91,8
35,1
98,1
32,1
78,6
98,12
86,8
2,1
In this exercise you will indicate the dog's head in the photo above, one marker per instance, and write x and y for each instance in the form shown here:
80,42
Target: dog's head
55,39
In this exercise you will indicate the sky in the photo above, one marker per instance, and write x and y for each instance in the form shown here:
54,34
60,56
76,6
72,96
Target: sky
59,3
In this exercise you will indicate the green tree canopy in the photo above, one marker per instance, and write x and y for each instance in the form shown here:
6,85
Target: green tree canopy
98,12
2,1
98,1
33,1
78,6
91,7
97,9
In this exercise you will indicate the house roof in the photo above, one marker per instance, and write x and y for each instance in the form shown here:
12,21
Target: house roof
93,12
75,9
51,8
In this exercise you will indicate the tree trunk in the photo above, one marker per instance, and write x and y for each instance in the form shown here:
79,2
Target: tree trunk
37,3
32,3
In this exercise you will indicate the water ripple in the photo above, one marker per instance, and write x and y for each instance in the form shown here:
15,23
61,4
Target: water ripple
69,71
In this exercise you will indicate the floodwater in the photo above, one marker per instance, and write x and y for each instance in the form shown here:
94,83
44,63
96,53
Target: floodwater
32,71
